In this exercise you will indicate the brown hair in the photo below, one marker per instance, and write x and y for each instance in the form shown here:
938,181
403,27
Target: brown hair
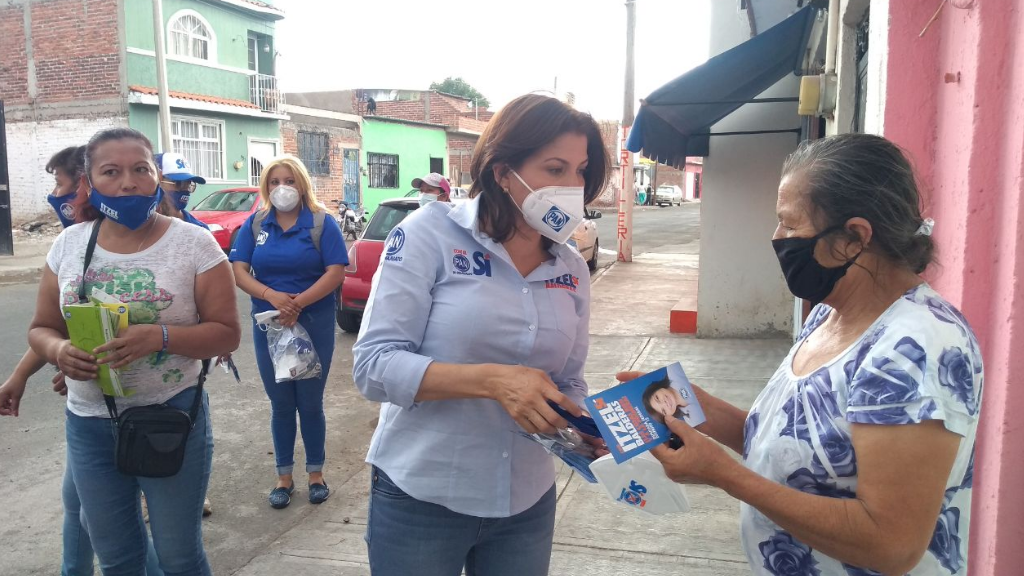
84,212
70,160
520,129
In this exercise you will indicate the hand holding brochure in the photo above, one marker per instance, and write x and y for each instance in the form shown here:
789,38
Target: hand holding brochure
93,324
631,416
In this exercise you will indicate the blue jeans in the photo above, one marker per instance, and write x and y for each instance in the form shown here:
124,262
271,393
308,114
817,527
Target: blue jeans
78,556
303,396
408,536
110,500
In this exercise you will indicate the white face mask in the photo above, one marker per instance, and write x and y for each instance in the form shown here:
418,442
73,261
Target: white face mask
554,211
284,198
427,198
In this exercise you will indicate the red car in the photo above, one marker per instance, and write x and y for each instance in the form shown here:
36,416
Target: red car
364,258
225,211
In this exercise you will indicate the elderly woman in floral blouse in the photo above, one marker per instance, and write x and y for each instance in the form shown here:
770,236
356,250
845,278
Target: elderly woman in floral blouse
859,453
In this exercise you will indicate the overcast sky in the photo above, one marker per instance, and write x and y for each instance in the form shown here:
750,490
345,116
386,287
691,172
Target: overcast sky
503,48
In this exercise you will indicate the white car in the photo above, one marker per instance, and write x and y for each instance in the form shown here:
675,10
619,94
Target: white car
459,195
668,194
584,238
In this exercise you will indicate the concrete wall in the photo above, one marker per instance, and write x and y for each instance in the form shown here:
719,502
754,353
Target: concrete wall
230,27
237,132
191,78
741,292
30,146
414,145
226,74
952,99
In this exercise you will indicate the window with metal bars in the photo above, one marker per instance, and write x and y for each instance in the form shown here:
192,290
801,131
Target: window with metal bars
315,153
383,170
190,37
201,142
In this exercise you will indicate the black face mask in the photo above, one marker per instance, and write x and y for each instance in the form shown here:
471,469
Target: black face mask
805,277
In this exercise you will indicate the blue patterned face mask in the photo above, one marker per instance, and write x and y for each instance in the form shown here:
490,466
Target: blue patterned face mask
64,207
180,199
130,211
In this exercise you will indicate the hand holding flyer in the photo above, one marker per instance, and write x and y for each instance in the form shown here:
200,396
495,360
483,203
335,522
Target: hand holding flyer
631,416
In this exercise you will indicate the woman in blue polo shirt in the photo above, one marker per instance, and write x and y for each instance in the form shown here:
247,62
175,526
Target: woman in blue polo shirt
479,316
294,262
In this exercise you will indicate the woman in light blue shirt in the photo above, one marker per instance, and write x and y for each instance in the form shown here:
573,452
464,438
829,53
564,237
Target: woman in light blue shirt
478,317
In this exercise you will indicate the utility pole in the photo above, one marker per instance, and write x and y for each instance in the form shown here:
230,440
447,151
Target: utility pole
161,77
626,195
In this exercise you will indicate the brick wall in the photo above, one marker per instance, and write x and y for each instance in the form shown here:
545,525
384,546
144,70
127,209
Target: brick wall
610,135
670,175
330,188
460,156
75,51
444,110
30,146
14,63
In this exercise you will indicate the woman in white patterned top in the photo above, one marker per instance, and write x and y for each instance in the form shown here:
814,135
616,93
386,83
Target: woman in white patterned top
859,453
180,309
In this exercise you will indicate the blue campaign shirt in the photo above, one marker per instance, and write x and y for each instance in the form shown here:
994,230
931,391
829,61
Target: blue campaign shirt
447,292
193,220
287,260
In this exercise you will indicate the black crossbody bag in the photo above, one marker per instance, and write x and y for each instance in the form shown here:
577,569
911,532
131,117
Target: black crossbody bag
149,440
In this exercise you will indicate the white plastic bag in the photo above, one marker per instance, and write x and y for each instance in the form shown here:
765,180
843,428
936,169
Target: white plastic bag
291,349
640,483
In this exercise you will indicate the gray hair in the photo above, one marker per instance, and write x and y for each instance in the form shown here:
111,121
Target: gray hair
866,176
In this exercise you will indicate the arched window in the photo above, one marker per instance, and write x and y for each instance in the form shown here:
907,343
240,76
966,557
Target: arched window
189,35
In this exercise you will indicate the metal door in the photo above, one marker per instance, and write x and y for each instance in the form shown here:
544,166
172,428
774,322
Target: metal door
261,152
6,234
350,171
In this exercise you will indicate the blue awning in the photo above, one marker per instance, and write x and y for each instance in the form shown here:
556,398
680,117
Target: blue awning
675,120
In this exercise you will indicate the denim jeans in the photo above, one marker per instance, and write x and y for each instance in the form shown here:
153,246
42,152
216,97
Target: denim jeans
110,500
78,557
408,536
303,396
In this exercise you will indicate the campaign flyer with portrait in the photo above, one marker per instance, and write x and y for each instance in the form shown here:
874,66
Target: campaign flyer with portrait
631,416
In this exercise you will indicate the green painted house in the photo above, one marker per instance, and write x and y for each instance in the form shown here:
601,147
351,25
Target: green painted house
394,152
225,104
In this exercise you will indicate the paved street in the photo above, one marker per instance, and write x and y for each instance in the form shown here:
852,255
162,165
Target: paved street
663,230
243,526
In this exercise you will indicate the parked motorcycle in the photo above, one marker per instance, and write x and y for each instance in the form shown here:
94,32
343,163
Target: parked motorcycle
351,221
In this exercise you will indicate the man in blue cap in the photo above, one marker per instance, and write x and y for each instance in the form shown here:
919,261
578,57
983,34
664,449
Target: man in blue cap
178,183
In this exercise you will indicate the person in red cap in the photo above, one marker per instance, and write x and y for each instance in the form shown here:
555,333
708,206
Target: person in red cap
433,187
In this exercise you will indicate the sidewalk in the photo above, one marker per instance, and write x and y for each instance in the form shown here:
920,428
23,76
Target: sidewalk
593,535
28,259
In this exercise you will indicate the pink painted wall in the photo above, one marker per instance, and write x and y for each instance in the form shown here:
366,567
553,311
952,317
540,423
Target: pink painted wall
966,137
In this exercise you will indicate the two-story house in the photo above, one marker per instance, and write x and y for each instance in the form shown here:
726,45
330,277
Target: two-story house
73,67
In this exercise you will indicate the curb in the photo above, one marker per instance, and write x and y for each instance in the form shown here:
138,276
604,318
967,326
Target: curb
20,275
